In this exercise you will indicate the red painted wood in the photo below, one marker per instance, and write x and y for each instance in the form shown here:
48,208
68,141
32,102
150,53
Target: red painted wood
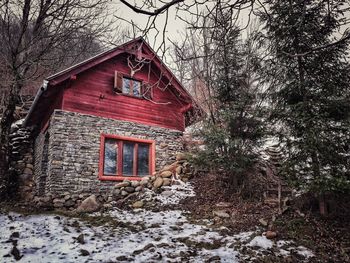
186,108
119,159
92,93
88,89
119,175
134,168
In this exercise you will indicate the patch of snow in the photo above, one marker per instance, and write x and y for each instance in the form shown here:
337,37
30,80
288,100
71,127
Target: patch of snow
179,192
270,142
281,243
303,251
284,252
17,123
261,241
287,246
244,236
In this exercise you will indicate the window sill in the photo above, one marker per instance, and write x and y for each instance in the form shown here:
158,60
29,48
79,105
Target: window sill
121,178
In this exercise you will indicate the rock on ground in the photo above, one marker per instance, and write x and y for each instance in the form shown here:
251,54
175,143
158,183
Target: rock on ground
90,204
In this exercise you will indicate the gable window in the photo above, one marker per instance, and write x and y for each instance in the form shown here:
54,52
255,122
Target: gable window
124,157
132,87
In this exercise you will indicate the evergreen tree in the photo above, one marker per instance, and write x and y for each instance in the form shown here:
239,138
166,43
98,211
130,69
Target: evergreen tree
233,133
312,91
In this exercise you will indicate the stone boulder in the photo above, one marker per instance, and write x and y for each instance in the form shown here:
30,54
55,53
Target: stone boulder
170,167
178,170
122,184
166,174
221,213
90,204
271,234
137,204
166,181
158,182
181,157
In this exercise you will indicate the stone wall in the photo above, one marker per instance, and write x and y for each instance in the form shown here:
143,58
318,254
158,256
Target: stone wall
74,145
21,159
41,163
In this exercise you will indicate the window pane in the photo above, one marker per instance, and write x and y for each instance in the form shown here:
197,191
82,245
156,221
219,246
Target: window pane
128,158
126,86
143,160
137,88
110,157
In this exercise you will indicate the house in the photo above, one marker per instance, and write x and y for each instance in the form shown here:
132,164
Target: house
118,115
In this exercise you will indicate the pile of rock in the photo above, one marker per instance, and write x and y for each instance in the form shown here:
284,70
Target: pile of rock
21,158
68,201
181,169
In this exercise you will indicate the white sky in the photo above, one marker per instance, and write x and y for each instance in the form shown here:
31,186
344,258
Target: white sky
175,26
173,30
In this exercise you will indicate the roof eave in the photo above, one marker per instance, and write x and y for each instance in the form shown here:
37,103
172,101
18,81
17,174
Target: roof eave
40,91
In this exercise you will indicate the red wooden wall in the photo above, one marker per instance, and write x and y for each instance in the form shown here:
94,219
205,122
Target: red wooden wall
92,93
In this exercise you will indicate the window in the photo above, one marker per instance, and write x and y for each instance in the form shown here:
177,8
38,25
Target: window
124,157
131,87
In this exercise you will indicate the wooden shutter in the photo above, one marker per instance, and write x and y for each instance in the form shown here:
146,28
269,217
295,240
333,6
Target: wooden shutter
118,82
146,90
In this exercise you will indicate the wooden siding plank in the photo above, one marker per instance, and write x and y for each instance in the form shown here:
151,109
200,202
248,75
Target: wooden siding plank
92,93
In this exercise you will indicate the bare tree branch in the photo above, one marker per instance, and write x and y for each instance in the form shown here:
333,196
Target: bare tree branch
151,13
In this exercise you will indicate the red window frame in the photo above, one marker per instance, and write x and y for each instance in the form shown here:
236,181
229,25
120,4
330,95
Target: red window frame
119,176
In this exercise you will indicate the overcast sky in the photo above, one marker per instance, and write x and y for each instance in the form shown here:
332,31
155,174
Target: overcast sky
173,30
175,27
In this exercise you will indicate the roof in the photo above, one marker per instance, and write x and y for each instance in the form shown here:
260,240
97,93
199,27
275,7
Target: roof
50,82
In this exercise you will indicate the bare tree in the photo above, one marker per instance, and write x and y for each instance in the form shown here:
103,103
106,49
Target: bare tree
36,35
195,64
193,12
196,58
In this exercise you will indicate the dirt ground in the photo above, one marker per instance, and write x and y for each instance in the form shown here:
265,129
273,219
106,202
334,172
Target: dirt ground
328,237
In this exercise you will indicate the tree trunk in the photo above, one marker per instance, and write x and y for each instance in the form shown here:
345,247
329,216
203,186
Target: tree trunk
316,170
5,128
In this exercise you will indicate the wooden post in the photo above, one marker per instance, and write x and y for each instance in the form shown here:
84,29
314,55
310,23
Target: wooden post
279,196
323,205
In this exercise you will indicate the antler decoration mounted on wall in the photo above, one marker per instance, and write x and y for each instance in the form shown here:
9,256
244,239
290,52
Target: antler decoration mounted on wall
138,66
136,60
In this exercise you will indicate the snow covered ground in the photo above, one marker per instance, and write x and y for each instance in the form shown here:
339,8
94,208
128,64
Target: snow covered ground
131,236
171,195
137,236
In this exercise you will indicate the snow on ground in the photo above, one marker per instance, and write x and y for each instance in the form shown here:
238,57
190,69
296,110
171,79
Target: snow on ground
303,251
143,236
136,236
261,242
17,123
171,194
